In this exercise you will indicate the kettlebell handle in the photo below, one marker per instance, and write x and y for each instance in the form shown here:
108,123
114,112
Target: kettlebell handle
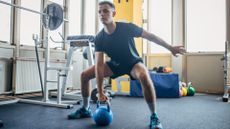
107,103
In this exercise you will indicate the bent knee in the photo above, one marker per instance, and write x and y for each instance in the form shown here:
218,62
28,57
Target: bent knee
144,79
84,76
142,76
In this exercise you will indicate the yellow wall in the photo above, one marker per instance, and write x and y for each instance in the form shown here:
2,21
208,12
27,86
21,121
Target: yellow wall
130,11
124,10
125,85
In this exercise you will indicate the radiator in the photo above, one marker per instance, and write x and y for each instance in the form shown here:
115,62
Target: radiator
5,75
27,76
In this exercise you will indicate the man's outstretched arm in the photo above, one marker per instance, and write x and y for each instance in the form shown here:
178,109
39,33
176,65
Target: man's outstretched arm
174,49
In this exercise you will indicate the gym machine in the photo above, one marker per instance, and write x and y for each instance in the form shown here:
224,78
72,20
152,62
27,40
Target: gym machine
52,18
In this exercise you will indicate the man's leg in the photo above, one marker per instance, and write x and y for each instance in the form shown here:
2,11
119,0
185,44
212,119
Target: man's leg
140,72
86,76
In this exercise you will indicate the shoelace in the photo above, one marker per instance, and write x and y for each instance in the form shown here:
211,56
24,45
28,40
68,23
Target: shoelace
155,121
80,110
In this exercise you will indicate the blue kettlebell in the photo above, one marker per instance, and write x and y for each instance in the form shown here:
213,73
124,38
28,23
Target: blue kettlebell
103,115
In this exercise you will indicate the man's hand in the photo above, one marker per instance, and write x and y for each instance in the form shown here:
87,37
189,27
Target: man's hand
177,50
102,97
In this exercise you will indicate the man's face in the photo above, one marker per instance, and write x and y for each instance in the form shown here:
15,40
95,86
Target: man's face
106,14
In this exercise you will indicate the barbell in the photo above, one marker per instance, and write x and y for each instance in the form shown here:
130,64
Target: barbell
52,15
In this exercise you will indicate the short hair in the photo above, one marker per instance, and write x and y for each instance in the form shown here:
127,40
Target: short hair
109,3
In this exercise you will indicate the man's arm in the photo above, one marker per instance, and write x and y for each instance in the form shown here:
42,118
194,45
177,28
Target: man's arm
99,71
174,49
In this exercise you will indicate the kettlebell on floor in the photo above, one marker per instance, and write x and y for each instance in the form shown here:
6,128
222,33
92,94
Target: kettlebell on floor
103,115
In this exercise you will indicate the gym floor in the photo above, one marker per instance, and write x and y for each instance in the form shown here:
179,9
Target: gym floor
201,111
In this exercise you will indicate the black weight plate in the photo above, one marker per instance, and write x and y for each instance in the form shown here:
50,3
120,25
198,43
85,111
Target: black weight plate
55,13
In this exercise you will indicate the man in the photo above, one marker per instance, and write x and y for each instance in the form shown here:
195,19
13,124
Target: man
116,40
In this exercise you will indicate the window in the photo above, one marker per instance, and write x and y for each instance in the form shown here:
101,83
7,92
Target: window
90,18
75,17
29,22
161,22
206,25
5,16
55,33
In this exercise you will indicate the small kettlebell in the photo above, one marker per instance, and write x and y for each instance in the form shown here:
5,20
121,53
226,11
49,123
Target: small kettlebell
103,115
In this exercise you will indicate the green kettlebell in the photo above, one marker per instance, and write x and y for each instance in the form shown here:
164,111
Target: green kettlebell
191,90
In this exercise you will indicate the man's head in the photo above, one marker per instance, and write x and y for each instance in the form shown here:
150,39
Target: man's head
106,12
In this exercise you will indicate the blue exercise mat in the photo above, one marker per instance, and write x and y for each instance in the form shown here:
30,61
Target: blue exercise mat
166,85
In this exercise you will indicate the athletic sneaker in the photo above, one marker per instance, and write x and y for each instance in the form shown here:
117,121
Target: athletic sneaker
155,122
80,113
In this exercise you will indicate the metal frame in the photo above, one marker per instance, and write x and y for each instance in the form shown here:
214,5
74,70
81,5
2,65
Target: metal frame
226,74
23,8
45,100
83,16
73,47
